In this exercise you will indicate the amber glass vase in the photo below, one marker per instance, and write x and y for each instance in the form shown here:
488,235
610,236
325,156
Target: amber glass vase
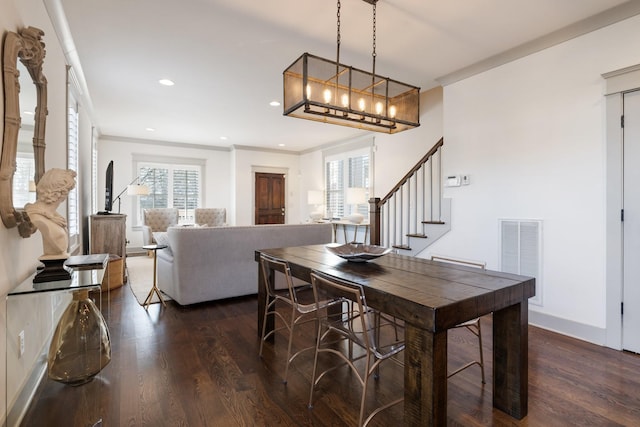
80,347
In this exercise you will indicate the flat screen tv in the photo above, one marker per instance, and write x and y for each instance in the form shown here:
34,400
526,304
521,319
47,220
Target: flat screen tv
108,190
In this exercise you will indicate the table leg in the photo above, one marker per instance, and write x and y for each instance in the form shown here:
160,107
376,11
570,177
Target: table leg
425,377
510,360
154,288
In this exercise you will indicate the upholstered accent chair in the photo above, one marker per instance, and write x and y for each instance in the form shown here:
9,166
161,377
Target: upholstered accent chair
156,220
211,217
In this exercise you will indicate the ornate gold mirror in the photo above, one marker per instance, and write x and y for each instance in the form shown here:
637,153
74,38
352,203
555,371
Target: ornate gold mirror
25,114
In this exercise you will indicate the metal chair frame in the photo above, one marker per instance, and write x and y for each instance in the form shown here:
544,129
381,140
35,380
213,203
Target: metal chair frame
361,327
473,325
299,313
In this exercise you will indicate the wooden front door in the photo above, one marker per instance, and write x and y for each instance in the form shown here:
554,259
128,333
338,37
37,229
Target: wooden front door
269,198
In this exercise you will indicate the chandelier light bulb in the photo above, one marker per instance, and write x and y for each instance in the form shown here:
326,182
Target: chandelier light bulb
308,92
361,104
392,111
327,96
345,100
378,107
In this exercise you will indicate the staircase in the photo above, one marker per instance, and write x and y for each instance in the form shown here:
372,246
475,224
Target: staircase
413,214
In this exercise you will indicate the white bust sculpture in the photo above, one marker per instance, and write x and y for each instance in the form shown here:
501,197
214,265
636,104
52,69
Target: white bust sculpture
51,190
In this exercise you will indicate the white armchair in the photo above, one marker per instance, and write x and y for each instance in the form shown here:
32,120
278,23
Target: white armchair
211,217
156,220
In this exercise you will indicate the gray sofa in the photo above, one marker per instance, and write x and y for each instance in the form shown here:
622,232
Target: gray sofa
210,263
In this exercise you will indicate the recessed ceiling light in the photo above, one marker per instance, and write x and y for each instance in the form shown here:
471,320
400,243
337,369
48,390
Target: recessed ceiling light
224,138
280,145
274,103
166,82
150,129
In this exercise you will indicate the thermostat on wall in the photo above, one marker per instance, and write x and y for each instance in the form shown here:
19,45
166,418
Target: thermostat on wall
453,181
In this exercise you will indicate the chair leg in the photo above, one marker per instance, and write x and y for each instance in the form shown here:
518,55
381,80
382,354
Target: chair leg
477,331
315,364
481,352
264,327
292,322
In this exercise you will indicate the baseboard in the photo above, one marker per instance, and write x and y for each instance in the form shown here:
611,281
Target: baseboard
573,329
136,251
25,397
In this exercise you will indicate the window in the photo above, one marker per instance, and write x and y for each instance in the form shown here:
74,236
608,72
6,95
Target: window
73,211
171,185
94,170
342,171
24,188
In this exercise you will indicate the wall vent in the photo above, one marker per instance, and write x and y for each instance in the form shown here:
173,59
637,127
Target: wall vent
521,250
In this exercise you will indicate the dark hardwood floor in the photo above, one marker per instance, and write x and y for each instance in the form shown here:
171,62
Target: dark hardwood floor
199,366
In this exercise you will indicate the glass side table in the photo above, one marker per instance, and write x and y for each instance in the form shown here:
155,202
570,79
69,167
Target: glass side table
154,287
80,347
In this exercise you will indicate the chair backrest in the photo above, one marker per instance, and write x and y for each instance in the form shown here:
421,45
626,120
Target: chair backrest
159,219
210,216
481,265
268,263
327,287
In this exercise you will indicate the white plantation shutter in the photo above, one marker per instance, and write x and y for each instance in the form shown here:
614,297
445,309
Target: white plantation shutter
335,188
171,186
22,178
359,178
94,170
73,211
186,192
342,171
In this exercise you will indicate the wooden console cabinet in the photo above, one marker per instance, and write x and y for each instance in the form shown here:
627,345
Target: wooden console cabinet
109,236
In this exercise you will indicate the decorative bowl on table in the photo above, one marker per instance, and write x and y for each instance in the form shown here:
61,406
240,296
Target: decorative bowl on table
358,252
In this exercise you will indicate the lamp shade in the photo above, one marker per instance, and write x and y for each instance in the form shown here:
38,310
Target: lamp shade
315,197
355,196
137,190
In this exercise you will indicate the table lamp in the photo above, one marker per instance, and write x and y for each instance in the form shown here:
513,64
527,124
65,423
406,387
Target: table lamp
355,196
315,199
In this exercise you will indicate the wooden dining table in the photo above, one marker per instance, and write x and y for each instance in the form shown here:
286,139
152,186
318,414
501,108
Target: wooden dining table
432,297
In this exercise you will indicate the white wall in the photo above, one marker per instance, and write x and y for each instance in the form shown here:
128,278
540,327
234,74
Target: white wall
396,154
18,256
246,163
531,134
217,188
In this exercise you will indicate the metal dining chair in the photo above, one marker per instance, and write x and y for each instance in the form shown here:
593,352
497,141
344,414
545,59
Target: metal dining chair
473,325
298,299
360,327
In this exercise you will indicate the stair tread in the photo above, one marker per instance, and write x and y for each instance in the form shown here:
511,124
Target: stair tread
418,235
405,247
433,222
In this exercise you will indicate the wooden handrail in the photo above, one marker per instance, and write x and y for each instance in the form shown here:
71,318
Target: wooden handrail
413,170
375,203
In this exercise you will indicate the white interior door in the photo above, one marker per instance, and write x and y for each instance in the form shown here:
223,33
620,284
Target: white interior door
631,223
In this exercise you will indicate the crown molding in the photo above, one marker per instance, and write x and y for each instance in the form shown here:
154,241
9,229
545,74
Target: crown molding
593,23
156,143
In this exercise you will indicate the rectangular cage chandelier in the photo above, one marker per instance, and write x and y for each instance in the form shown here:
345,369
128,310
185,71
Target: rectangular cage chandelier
327,91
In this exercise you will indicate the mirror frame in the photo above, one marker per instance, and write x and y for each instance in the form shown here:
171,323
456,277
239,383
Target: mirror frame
28,47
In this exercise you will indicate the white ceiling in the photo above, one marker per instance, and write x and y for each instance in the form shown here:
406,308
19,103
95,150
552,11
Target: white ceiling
227,56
